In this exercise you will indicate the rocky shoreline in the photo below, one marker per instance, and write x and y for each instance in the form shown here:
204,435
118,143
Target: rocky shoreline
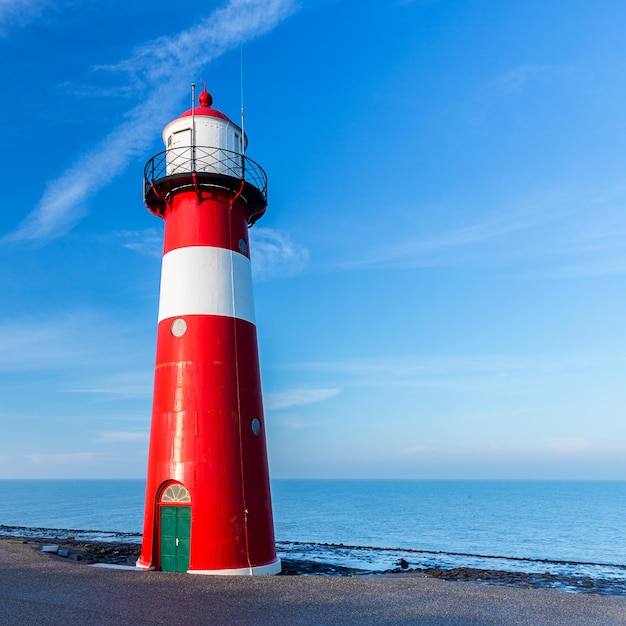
126,554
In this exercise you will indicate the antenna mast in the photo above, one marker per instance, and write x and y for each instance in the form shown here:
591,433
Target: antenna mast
193,127
243,130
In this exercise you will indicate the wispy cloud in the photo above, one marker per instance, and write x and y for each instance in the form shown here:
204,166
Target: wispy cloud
515,85
115,436
516,78
162,67
569,447
36,343
20,12
590,245
274,254
79,340
95,91
290,422
539,449
298,397
566,231
72,458
148,242
128,384
419,449
503,414
460,372
443,247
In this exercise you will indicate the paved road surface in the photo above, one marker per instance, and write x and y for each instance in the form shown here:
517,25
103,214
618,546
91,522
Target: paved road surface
36,588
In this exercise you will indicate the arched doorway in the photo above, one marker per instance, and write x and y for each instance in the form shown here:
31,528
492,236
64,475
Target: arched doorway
174,529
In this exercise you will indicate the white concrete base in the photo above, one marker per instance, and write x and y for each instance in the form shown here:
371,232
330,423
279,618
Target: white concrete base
260,570
132,568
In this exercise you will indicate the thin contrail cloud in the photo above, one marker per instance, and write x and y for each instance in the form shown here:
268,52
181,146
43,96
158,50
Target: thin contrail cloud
19,12
161,67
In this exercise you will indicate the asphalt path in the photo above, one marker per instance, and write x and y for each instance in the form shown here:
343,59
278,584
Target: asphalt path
37,588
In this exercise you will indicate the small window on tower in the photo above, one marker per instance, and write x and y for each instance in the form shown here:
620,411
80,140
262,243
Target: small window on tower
169,141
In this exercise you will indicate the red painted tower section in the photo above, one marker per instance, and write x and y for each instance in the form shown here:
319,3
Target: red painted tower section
208,506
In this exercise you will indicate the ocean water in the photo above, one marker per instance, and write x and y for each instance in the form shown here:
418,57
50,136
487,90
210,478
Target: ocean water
569,528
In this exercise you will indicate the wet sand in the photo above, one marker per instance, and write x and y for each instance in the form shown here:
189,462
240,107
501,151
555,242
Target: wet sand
38,588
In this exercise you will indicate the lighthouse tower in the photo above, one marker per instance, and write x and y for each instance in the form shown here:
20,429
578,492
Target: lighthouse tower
208,508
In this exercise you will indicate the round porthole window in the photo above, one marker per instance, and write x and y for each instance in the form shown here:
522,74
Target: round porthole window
256,425
178,327
243,246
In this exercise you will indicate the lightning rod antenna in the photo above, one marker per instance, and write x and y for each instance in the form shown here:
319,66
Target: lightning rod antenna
193,126
243,131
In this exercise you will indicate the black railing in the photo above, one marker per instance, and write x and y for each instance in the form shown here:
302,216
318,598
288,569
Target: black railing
223,165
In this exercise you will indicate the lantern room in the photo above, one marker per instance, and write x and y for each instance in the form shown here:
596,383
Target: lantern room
204,150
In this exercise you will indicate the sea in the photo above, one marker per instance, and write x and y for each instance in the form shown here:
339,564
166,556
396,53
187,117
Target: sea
571,529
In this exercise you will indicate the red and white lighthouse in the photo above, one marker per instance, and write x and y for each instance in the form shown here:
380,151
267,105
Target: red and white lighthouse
208,507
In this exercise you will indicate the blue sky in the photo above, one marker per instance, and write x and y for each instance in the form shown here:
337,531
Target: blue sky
439,277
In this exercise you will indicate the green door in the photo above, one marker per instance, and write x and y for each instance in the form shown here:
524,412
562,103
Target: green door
175,538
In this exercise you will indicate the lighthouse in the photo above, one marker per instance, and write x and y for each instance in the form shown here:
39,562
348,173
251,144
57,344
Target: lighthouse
208,506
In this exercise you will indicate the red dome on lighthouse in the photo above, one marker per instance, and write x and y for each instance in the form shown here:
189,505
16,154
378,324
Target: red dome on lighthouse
205,100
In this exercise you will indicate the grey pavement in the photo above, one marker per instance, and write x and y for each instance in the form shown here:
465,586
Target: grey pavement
37,588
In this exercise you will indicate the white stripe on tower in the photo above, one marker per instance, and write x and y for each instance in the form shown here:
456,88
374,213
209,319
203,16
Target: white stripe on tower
203,280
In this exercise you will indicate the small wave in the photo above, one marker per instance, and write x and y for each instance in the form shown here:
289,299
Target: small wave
461,554
566,575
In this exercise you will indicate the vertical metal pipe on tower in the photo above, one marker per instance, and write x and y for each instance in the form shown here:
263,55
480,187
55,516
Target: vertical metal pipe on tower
208,507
